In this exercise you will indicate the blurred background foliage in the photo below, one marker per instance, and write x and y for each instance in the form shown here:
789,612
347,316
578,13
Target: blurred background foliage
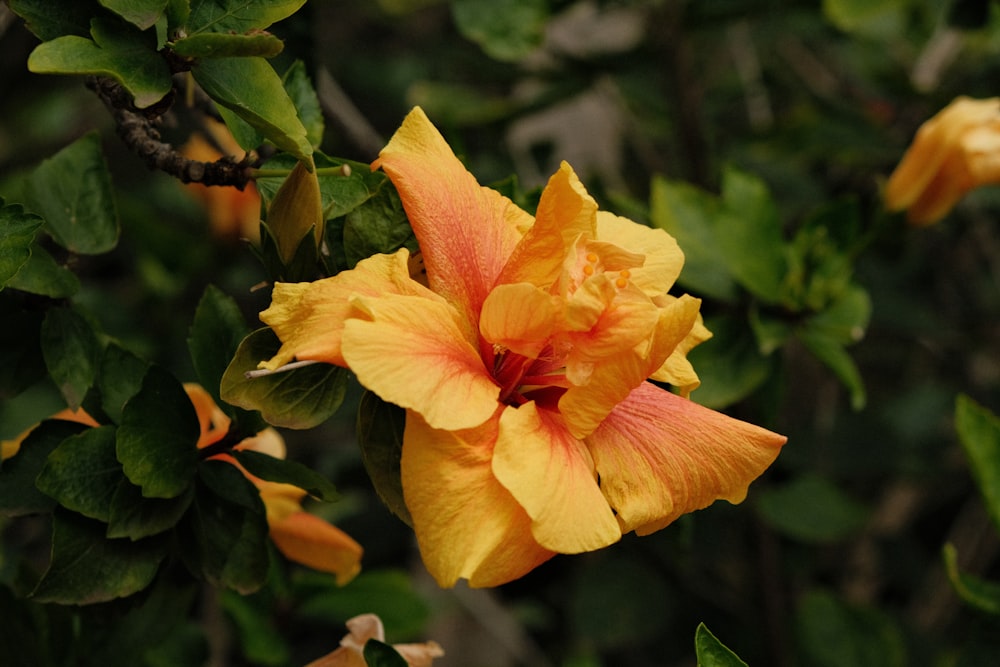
835,324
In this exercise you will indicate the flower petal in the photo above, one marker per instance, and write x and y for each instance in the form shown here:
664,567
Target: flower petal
466,232
519,317
309,318
565,213
551,474
663,257
660,456
411,352
467,524
311,541
213,421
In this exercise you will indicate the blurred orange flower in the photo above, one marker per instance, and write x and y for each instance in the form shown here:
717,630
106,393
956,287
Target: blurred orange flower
954,152
369,626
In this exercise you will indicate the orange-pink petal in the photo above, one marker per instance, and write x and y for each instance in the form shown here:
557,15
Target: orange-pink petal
551,475
663,258
309,540
411,352
660,456
519,317
467,524
466,232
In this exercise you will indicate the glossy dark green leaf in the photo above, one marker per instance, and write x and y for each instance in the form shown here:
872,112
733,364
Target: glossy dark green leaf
72,353
713,653
17,232
21,362
18,493
811,509
981,594
688,214
288,472
48,19
303,94
379,654
87,567
158,436
979,432
142,13
214,337
219,45
41,274
120,379
82,474
380,436
379,225
227,530
72,192
135,517
239,16
300,398
507,30
251,89
118,50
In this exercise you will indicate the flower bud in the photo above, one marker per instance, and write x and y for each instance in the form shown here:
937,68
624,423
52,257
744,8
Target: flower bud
297,207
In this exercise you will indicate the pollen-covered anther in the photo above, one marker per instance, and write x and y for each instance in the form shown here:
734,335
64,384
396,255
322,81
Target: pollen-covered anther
622,281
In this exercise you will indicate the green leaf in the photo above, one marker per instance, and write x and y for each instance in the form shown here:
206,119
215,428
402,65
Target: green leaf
72,192
979,433
380,436
379,654
18,493
713,653
876,20
983,595
260,640
17,232
339,194
253,91
214,337
87,568
72,353
729,364
750,235
831,352
41,274
158,436
300,89
48,20
379,225
82,474
217,45
811,509
846,319
225,530
688,214
135,517
300,398
141,13
118,50
834,634
119,380
507,30
239,16
287,472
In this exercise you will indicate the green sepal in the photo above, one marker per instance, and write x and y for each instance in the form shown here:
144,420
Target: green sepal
158,436
18,493
82,473
379,654
17,233
72,353
250,88
118,50
287,472
72,192
225,530
133,516
221,45
86,567
141,13
713,653
300,398
380,436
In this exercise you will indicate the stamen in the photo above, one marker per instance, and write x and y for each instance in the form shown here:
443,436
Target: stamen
622,281
592,257
588,270
261,372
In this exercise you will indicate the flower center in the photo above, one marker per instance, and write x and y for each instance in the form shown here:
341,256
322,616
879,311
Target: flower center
519,375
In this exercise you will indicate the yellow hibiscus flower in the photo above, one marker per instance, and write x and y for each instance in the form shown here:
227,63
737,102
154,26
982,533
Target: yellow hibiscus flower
522,364
369,626
954,152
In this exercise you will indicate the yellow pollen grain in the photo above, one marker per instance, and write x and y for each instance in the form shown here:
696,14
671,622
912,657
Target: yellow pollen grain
621,283
625,274
591,257
588,270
